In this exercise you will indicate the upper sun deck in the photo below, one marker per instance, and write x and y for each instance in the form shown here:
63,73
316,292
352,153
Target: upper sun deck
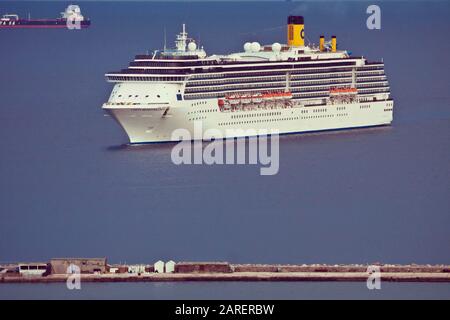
187,59
253,52
186,51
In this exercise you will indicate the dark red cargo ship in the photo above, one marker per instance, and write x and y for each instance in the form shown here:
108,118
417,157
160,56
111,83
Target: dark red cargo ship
70,19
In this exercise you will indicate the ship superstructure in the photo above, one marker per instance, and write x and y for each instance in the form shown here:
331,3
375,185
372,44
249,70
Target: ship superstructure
289,88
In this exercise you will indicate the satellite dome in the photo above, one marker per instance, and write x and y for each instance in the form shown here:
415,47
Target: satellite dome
192,46
276,47
256,47
247,47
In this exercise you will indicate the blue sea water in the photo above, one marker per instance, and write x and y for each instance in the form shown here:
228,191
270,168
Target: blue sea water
69,186
227,290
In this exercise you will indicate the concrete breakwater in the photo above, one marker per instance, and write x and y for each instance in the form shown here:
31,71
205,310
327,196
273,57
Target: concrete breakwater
98,270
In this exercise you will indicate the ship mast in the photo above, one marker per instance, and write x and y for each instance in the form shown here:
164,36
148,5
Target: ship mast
180,43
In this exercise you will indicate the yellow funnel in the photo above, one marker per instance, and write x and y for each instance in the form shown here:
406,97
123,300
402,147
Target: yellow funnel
322,43
296,31
333,44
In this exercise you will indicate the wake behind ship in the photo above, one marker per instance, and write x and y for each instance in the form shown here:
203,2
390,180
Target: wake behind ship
287,88
70,18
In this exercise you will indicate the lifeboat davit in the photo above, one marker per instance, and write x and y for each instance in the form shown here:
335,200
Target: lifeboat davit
233,99
257,98
246,99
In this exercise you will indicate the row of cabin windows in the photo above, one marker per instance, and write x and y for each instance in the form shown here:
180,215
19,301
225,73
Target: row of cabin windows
234,80
311,95
321,116
264,114
260,78
137,96
202,111
369,79
364,68
219,71
364,99
256,121
266,73
196,63
374,90
262,82
196,119
237,87
380,84
373,84
294,88
173,63
130,78
313,74
219,95
322,76
198,103
296,67
277,119
369,73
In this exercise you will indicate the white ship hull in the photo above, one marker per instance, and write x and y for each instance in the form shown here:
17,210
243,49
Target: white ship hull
277,88
157,124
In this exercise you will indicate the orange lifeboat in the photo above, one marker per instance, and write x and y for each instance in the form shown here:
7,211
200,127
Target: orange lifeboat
343,91
233,99
277,95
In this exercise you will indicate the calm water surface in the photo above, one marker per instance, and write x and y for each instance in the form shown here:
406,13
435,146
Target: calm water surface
227,290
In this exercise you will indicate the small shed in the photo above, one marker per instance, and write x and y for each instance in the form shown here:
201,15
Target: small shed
159,267
170,266
136,269
33,269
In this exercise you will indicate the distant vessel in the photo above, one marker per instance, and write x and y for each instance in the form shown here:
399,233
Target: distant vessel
70,18
289,88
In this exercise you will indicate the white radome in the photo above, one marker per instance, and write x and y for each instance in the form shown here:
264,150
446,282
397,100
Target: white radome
192,46
256,47
247,47
276,47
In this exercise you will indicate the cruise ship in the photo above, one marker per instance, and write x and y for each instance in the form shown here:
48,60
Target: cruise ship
284,88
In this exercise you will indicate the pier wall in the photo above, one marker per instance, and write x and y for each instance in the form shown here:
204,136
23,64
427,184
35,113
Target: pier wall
96,270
